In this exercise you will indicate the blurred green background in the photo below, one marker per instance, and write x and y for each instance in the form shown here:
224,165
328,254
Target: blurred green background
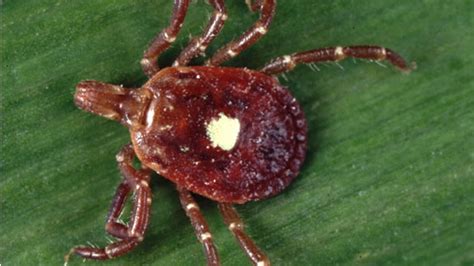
388,178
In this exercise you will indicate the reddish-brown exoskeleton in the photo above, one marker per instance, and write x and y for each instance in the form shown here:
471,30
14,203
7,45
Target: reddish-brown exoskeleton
229,134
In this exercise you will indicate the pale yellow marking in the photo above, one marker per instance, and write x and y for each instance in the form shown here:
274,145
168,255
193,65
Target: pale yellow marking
119,157
166,127
205,236
139,237
223,16
288,60
148,201
145,62
223,132
144,183
262,263
202,48
191,206
150,115
107,252
110,115
231,53
168,38
339,53
383,54
261,30
134,229
232,226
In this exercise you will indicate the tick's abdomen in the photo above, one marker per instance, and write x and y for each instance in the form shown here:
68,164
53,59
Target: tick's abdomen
229,134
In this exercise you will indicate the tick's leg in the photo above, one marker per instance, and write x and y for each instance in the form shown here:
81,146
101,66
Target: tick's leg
236,226
132,178
164,39
232,49
113,226
131,235
334,54
200,225
254,5
198,45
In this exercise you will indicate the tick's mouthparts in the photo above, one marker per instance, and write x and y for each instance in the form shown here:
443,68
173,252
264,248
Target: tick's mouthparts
112,101
100,98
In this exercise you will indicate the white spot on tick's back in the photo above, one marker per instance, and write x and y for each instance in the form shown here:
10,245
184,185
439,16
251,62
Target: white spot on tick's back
223,131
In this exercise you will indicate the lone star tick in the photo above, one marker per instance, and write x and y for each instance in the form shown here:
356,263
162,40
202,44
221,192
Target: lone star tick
229,134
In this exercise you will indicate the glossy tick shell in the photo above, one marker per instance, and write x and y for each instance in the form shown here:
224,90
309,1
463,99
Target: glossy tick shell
269,149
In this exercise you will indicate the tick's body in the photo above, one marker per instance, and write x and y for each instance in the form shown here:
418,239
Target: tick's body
264,154
229,134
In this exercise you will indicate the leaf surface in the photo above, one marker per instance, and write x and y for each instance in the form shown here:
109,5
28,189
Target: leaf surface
388,177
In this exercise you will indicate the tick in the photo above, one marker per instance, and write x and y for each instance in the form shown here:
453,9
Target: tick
232,135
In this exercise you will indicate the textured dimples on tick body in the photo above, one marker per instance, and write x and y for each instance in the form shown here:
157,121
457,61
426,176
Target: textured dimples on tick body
232,135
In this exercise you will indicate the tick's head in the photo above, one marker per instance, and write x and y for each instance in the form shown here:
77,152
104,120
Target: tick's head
111,101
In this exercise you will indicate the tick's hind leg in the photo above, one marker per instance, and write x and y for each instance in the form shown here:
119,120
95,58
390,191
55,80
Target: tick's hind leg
236,226
334,54
200,225
165,38
199,44
253,34
129,235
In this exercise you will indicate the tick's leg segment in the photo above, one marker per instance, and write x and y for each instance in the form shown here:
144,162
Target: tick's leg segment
232,49
198,45
165,38
200,225
132,234
236,226
112,225
132,178
334,54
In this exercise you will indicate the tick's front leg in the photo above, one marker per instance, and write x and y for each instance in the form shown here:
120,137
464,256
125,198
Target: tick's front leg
199,45
253,34
334,54
132,234
165,38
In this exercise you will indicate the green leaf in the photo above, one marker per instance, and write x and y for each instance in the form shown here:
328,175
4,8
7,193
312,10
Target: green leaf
388,177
